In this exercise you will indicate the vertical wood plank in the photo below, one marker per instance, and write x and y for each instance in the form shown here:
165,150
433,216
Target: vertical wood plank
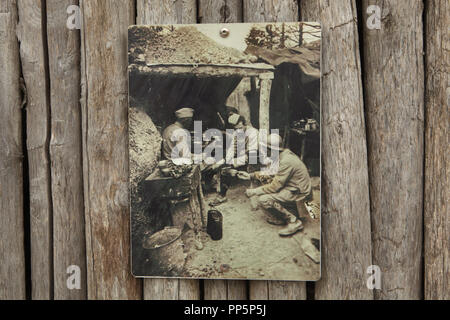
222,12
310,10
69,242
32,51
215,289
270,11
346,241
273,11
105,148
394,91
12,256
437,188
161,289
164,12
285,290
189,290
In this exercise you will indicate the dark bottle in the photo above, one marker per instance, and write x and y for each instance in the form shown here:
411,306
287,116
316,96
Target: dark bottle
214,225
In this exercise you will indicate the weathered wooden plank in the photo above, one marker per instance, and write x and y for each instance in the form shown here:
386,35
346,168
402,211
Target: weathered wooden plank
33,57
222,11
270,11
394,92
163,12
284,290
166,12
310,10
237,290
161,289
437,188
105,148
189,290
12,256
346,241
69,242
226,12
273,11
215,289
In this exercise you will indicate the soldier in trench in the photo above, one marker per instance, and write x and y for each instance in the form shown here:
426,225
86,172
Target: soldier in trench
173,140
291,183
241,154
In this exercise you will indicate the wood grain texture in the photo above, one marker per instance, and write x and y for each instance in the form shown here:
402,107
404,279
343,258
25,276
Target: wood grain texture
273,11
69,242
310,10
215,289
163,12
12,256
437,187
105,149
346,241
222,11
270,11
394,101
31,35
215,12
161,289
166,12
395,85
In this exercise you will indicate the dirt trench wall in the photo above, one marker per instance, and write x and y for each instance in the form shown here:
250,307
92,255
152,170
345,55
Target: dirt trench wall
145,152
145,146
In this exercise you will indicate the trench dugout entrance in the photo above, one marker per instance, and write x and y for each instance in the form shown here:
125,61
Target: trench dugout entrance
268,97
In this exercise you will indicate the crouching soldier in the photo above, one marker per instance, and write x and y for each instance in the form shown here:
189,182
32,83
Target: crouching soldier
291,183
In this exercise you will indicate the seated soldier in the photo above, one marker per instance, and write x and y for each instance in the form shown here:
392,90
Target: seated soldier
291,183
238,157
173,138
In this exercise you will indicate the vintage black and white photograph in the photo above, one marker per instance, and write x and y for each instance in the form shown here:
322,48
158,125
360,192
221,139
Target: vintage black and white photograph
224,148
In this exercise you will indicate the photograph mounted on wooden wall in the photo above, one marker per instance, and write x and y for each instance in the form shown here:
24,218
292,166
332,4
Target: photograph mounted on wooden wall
224,147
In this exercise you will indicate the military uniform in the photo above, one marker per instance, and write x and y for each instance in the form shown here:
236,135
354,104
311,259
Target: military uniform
291,183
168,145
172,138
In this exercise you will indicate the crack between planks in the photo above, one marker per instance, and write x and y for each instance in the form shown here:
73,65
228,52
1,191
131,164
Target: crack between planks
25,177
85,158
425,124
360,30
48,136
81,152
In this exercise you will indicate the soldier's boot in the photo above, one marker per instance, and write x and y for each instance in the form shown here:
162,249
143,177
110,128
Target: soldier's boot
291,229
294,225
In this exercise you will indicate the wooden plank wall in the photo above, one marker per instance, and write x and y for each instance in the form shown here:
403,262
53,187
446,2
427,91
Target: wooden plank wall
69,246
12,254
34,61
394,102
63,177
437,189
346,242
